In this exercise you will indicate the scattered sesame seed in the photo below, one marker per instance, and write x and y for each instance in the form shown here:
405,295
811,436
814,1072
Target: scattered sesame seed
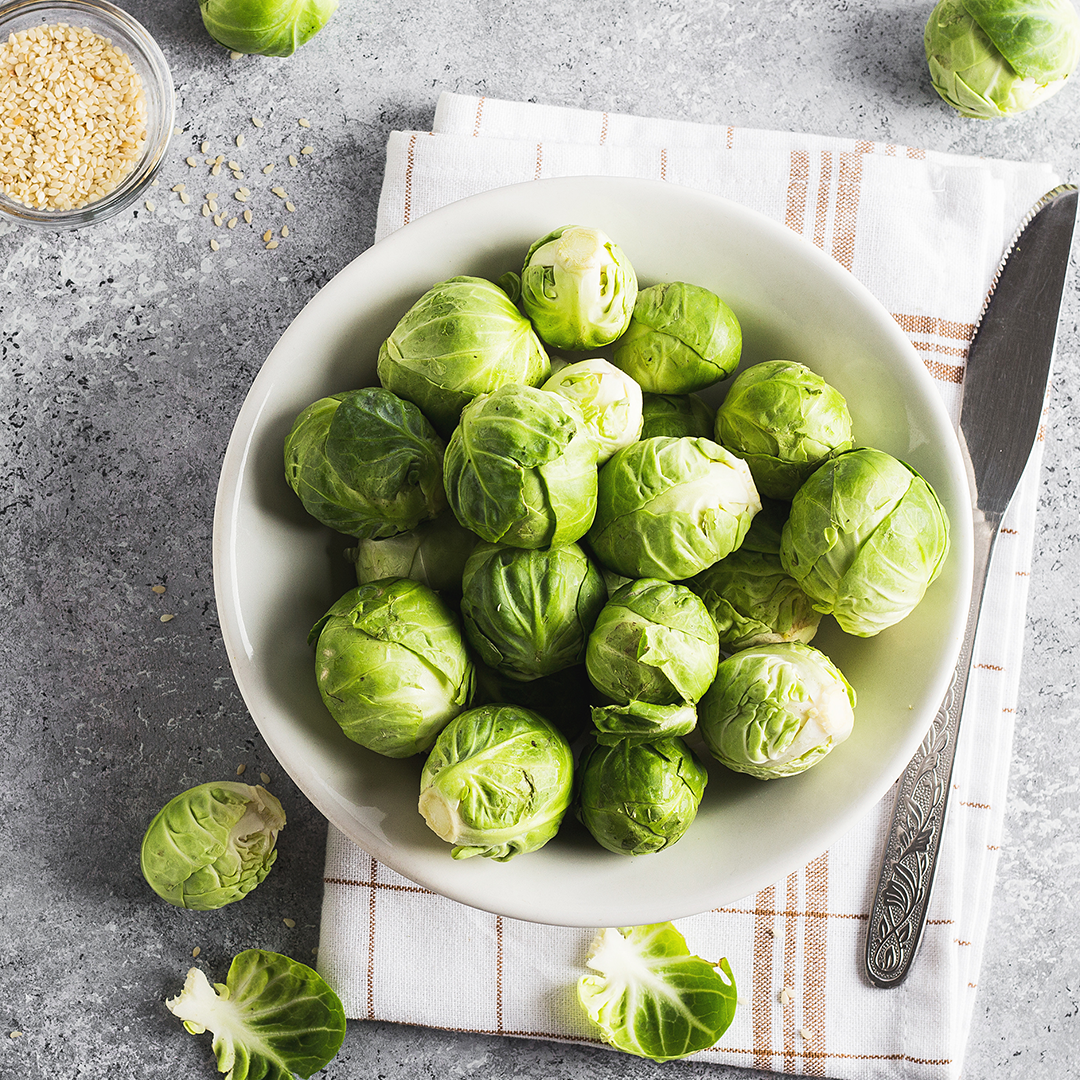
234,165
240,769
239,196
178,187
290,207
218,219
210,161
149,206
155,182
214,245
215,170
279,191
290,923
14,1034
284,230
247,216
195,952
257,121
805,1034
178,131
234,55
211,195
268,235
205,209
294,160
264,777
303,122
159,589
231,223
185,198
273,244
268,169
240,140
307,150
205,148
237,174
167,618
786,996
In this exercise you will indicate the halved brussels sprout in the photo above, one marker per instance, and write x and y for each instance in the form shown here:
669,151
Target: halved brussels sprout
462,338
497,782
775,710
521,469
578,288
639,797
784,420
366,463
609,400
681,338
677,415
667,508
392,666
867,535
212,844
528,613
992,58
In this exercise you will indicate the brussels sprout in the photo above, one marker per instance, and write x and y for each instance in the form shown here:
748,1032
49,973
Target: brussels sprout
681,338
521,469
641,721
528,613
653,643
265,27
651,996
272,1017
865,538
775,710
433,553
462,338
639,797
609,400
784,421
578,288
366,463
392,665
667,508
993,58
211,845
677,415
497,782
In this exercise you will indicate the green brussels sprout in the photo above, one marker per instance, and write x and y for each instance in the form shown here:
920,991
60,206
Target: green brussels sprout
433,553
677,415
784,421
667,508
655,649
992,58
271,1018
521,469
639,797
648,995
510,283
681,338
528,613
366,463
497,782
578,288
609,400
775,710
265,27
392,665
641,721
212,844
462,338
866,537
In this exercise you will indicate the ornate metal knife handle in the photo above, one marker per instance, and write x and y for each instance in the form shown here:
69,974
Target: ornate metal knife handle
909,860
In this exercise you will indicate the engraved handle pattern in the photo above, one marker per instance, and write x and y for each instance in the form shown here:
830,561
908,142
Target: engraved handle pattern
909,860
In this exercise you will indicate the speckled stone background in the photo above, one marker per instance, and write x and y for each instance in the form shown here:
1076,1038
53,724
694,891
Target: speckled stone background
125,353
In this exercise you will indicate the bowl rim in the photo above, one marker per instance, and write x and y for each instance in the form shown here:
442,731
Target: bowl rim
619,910
159,128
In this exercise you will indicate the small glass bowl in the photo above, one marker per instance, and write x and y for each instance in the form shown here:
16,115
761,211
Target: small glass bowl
146,57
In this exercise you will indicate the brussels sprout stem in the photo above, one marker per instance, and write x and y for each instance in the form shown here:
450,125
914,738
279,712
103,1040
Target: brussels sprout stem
441,815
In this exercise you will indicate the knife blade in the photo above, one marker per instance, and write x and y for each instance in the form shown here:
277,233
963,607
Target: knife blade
1005,380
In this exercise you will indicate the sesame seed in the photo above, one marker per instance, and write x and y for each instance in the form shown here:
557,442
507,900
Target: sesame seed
307,150
218,219
290,923
192,161
239,196
214,245
304,122
805,1034
257,121
185,198
155,183
240,769
205,148
210,161
205,209
234,55
269,234
273,244
786,996
247,216
195,952
268,169
284,230
149,206
289,206
178,131
231,223
264,777
215,170
167,618
178,187
159,589
294,160
234,165
14,1034
237,174
240,140
279,191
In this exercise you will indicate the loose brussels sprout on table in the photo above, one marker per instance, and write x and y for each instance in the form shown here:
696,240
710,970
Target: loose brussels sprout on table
784,421
497,782
211,845
867,535
392,666
462,338
528,613
775,710
992,58
366,463
265,27
667,508
578,288
681,338
639,797
609,400
653,652
677,415
520,469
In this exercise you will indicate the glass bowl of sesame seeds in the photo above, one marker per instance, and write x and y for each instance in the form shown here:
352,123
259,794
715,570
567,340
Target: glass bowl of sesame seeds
86,111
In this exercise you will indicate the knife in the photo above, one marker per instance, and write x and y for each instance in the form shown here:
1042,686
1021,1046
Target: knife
1005,381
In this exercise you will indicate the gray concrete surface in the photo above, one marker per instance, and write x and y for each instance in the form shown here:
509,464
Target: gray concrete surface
125,353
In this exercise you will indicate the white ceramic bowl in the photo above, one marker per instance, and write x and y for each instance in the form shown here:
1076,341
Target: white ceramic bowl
276,570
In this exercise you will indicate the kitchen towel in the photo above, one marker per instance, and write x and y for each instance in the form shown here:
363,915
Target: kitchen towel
924,231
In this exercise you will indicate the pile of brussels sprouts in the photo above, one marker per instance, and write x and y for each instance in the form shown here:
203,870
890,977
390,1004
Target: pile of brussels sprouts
569,564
